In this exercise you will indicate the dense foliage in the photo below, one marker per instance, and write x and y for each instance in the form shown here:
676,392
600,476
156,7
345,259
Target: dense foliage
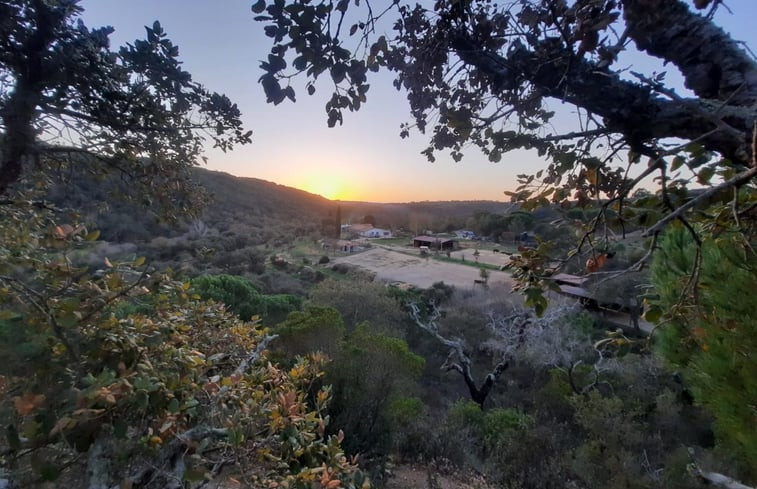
712,330
243,299
150,396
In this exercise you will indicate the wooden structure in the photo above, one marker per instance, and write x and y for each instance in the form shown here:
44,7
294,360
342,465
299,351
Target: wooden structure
568,279
434,243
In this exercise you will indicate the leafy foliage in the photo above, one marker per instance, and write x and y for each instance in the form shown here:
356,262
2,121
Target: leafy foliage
370,374
150,385
711,331
359,301
132,111
242,298
314,329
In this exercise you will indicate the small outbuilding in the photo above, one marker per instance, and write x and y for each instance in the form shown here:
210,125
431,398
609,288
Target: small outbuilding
434,243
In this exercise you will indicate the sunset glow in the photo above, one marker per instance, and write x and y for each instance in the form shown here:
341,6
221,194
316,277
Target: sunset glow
330,186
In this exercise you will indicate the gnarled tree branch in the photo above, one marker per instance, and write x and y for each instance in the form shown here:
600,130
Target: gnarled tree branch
463,366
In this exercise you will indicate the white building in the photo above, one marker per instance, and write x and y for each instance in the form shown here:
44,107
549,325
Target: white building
376,233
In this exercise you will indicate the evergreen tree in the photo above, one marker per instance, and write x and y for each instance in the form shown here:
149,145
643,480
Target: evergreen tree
712,331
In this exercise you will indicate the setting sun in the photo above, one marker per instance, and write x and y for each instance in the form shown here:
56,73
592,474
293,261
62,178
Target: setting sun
330,186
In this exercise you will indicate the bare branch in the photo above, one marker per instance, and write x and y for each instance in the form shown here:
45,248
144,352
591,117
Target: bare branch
463,366
253,356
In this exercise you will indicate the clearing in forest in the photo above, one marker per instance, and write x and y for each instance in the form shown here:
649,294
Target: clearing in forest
391,266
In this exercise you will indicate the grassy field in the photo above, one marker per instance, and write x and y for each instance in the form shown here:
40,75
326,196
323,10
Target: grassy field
397,241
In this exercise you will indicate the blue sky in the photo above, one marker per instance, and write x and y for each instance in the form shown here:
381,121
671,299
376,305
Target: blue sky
364,159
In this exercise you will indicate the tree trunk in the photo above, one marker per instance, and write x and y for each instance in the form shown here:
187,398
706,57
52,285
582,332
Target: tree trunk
20,110
627,108
713,65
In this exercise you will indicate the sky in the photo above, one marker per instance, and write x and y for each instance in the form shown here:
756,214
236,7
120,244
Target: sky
364,159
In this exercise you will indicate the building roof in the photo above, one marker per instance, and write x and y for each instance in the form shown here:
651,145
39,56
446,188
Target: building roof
568,279
359,228
431,239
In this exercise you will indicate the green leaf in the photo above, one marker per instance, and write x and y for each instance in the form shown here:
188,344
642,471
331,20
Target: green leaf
653,314
92,236
139,261
705,174
677,163
6,315
11,435
258,6
174,406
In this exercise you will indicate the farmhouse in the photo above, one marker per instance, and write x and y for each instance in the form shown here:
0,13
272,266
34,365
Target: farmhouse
366,231
376,233
434,243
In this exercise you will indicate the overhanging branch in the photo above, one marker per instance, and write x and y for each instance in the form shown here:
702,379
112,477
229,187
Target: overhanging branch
739,179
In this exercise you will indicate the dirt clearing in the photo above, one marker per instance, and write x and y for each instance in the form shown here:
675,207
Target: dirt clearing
391,266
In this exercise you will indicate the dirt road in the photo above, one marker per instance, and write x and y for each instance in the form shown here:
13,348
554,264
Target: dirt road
422,272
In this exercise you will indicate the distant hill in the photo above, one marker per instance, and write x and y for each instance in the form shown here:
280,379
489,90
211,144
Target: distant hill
245,204
412,216
257,203
260,210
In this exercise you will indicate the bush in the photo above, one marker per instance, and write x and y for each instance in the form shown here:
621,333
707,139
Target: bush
491,427
316,329
372,375
242,298
359,301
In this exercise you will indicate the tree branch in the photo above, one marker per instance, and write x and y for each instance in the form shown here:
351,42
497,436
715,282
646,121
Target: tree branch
253,356
626,107
713,64
463,365
171,457
739,179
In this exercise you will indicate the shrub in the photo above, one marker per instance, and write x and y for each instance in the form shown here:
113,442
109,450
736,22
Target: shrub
242,298
316,329
369,374
358,301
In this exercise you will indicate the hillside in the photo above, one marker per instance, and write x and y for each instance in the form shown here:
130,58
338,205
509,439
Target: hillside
259,210
246,222
235,202
417,216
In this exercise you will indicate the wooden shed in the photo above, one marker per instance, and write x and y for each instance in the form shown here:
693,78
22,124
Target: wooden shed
434,243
